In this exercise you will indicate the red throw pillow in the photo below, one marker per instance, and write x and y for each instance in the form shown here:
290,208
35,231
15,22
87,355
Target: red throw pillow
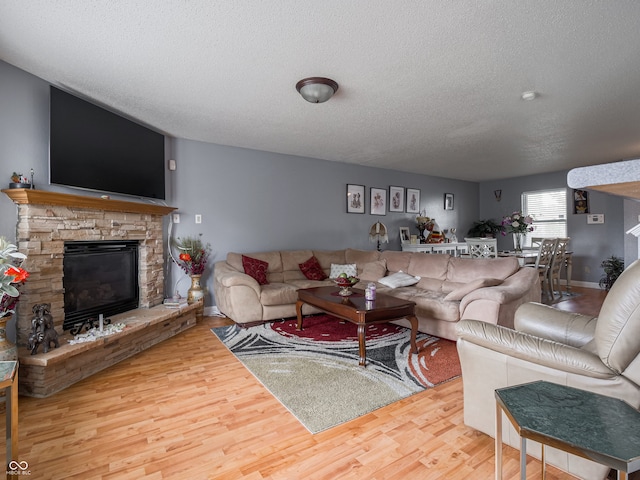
256,268
312,269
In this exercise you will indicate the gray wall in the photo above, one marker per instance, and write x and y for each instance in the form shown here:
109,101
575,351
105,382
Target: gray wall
254,201
590,243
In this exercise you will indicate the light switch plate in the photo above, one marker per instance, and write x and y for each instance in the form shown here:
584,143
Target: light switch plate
595,218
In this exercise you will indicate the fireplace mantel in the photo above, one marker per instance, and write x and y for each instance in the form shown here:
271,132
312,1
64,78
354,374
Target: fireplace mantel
42,197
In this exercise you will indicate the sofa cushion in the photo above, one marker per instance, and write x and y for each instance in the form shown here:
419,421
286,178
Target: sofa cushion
361,256
255,268
312,269
465,270
397,261
278,294
399,279
460,292
326,258
291,259
372,271
429,265
337,269
429,304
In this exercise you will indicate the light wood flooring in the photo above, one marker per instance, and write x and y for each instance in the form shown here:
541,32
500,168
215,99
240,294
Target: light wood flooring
186,409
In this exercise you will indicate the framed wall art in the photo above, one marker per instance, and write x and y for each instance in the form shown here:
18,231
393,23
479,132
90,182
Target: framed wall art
355,198
405,236
378,201
580,201
396,199
413,200
448,201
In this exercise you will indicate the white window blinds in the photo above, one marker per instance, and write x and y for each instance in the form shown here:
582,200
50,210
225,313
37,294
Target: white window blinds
549,211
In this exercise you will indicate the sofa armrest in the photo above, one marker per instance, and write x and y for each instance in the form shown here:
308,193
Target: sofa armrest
227,276
532,349
547,322
513,288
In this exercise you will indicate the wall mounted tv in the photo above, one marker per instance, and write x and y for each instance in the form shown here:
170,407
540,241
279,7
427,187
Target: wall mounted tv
95,149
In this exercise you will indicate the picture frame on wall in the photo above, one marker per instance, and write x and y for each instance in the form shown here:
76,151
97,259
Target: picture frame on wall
355,198
405,235
413,200
396,199
378,201
580,201
448,201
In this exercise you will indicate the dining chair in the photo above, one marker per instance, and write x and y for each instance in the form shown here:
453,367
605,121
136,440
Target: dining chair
543,263
482,247
536,241
559,259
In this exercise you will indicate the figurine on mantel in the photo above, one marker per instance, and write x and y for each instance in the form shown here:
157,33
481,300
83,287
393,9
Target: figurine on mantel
19,180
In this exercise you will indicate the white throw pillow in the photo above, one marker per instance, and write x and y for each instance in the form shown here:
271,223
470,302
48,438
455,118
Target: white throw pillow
399,279
349,268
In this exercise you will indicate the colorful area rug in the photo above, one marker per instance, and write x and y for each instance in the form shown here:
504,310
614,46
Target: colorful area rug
315,374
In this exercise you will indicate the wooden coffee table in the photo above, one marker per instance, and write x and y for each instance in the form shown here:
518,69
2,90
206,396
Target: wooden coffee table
356,309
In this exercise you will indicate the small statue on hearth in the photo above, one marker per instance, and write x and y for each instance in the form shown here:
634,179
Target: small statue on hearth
42,330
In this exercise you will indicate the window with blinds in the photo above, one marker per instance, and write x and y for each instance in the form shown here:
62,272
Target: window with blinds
548,208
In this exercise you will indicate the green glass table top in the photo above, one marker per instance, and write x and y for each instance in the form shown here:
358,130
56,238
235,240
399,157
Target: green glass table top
7,369
604,429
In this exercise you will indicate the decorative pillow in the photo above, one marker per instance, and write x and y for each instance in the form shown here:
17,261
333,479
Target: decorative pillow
256,269
312,269
399,279
460,292
349,268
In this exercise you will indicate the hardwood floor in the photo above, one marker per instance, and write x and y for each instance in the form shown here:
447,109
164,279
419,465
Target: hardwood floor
186,409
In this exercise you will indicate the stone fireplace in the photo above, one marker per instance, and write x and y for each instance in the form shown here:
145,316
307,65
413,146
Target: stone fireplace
46,220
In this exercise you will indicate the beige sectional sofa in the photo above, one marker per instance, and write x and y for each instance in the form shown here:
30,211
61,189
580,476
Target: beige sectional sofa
449,289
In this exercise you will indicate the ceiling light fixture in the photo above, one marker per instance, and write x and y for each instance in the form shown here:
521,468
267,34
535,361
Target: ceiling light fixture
316,89
530,95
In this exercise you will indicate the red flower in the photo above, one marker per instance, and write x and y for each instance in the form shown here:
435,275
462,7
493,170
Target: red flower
19,274
185,257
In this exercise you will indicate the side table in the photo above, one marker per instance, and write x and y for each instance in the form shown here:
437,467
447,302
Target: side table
564,418
9,381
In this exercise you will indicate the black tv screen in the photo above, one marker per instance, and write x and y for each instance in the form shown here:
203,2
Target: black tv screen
95,149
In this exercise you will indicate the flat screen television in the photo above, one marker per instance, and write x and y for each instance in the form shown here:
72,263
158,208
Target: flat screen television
95,149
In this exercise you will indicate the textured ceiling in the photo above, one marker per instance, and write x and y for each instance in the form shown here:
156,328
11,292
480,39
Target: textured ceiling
429,86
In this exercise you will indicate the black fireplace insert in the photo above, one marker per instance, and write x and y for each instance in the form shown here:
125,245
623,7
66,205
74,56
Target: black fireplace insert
99,278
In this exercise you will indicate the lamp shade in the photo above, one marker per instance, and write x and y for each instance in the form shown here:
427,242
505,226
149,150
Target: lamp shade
317,89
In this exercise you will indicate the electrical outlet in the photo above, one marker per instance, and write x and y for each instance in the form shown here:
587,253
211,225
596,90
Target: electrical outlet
176,218
198,218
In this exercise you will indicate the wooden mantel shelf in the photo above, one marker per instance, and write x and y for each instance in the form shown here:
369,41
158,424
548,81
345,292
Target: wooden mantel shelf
41,197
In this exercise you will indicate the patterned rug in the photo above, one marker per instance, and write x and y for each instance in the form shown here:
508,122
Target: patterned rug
315,374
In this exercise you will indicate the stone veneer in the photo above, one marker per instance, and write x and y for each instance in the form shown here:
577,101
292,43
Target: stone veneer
45,221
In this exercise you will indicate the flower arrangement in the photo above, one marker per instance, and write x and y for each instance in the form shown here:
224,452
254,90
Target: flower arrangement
517,223
193,255
12,275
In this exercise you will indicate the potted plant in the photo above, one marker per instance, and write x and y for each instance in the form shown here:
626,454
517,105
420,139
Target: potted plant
485,228
613,267
193,260
12,275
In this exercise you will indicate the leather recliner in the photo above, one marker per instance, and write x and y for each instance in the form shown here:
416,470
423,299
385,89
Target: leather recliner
599,354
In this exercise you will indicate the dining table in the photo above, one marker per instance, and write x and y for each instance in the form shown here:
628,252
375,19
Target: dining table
529,255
